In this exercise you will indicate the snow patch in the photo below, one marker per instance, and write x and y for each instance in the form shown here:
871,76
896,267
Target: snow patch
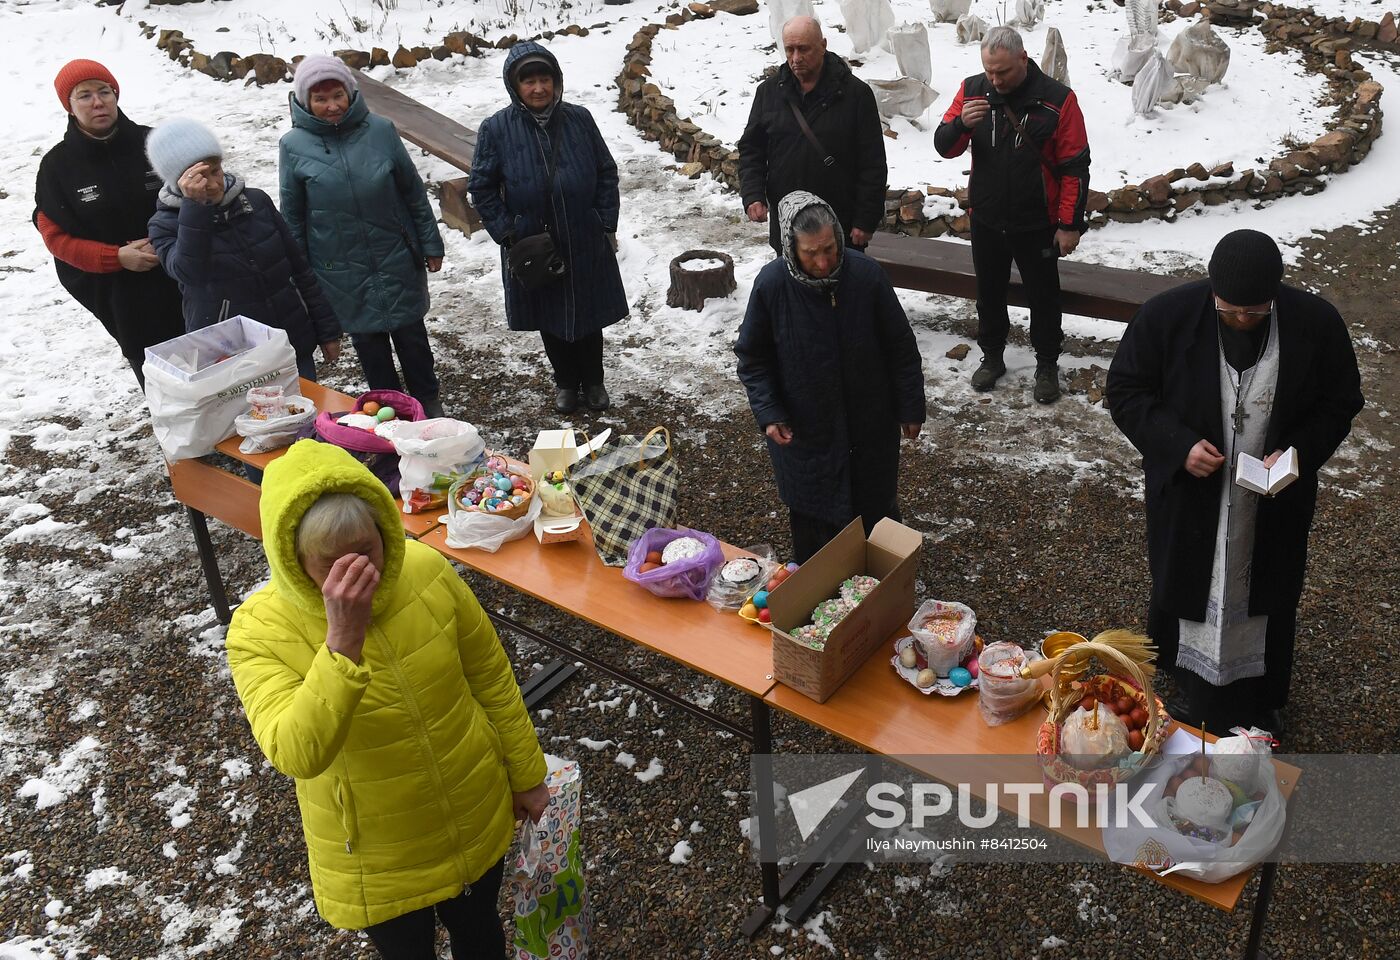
63,778
653,770
681,853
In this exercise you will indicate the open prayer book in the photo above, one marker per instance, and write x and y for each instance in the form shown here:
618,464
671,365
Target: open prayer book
1251,473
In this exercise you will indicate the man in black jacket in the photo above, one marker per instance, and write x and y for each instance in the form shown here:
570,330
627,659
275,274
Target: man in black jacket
1026,196
94,196
833,376
839,156
1238,364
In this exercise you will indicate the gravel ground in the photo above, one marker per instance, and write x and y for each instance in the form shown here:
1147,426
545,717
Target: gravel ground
1034,519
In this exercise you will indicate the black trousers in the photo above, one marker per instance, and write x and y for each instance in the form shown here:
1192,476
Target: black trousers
472,921
576,363
1034,255
376,352
1243,702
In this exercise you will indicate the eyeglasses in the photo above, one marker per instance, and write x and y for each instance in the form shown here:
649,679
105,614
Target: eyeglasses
1244,314
89,96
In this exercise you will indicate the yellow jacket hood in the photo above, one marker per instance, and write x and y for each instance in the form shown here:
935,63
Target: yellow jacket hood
295,481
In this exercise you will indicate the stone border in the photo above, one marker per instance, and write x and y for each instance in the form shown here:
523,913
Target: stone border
1325,46
264,68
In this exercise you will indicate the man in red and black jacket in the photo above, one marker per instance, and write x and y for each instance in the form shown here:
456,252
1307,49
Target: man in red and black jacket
95,192
1026,196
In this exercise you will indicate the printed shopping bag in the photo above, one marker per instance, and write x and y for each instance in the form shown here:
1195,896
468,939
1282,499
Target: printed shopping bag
552,913
625,489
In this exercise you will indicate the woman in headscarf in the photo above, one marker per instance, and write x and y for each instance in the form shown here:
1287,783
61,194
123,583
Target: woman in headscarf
356,205
541,167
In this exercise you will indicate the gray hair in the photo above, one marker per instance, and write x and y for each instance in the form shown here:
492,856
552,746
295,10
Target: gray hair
1003,38
813,219
333,524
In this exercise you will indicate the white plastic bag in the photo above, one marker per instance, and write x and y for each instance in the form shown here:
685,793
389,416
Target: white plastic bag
1163,849
1150,83
468,529
1130,55
867,21
431,452
197,384
905,97
971,28
781,11
909,44
260,436
949,11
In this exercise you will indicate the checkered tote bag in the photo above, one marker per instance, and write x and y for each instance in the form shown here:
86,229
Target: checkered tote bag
625,489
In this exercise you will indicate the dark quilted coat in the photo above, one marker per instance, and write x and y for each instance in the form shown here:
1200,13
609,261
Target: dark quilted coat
355,203
508,181
242,253
842,369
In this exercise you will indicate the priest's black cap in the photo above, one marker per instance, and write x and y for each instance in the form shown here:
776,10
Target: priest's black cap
1246,268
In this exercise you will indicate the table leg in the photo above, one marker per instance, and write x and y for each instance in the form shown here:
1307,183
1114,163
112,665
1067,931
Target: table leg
765,800
210,563
1261,912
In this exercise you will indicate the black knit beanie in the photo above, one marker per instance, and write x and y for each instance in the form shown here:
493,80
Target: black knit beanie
1246,268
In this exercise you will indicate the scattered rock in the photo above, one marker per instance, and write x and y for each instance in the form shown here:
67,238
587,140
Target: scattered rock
354,59
404,58
959,352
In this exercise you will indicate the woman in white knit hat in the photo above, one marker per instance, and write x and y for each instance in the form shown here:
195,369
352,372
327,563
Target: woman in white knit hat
229,249
357,207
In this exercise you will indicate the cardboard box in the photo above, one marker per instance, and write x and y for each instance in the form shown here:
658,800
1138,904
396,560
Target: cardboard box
559,450
560,529
891,554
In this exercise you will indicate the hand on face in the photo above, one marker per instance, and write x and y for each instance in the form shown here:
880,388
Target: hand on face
203,182
348,591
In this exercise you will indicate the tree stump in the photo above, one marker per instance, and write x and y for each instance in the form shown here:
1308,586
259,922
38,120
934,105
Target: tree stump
697,275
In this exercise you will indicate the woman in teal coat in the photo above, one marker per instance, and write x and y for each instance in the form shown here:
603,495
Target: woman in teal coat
355,203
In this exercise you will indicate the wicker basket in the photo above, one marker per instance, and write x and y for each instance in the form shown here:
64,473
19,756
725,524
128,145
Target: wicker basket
456,495
1119,650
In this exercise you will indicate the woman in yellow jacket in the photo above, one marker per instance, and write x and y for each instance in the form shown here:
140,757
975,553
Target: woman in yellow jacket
372,676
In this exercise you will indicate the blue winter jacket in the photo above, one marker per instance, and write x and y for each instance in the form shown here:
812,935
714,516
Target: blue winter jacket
508,188
356,205
238,257
842,369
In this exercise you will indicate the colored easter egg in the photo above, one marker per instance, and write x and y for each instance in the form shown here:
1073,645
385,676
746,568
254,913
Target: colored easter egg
748,610
760,599
792,568
369,408
960,676
971,666
765,615
385,414
502,484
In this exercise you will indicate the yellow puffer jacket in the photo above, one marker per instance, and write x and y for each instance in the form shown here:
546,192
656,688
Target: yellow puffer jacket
404,763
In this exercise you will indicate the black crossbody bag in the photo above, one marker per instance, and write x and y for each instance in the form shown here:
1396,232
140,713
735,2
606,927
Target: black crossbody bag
534,261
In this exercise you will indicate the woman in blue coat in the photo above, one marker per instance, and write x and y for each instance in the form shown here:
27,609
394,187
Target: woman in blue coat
229,249
512,190
356,205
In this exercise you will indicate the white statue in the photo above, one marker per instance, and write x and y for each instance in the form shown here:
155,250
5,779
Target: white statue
781,11
971,28
909,44
866,22
905,97
1199,51
1142,17
1130,55
1054,62
1150,83
948,11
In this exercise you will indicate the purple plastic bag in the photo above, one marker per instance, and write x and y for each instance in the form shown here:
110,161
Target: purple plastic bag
684,578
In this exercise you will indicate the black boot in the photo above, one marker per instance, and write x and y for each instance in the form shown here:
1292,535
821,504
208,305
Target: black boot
597,397
987,375
565,400
432,409
1047,383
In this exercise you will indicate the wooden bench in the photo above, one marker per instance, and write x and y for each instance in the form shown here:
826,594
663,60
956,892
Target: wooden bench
1086,289
441,136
